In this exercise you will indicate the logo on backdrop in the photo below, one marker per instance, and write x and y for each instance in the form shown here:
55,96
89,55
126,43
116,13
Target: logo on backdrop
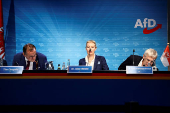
151,24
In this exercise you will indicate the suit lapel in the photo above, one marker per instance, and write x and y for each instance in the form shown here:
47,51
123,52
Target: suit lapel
23,62
34,63
95,62
84,62
137,60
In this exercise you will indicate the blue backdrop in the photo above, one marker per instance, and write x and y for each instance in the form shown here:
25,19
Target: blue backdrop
60,28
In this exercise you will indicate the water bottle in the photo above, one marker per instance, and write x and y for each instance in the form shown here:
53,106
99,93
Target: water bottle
52,66
63,66
59,67
46,65
1,62
68,63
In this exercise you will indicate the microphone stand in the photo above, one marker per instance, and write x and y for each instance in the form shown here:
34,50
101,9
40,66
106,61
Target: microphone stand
17,63
37,65
89,56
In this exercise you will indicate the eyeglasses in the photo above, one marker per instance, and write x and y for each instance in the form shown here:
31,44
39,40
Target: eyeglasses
32,56
150,61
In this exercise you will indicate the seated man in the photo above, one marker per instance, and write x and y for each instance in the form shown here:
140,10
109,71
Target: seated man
30,59
148,59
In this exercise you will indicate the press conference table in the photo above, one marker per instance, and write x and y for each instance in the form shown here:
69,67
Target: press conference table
62,74
88,91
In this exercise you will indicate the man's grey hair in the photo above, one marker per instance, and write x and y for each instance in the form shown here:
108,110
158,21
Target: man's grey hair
151,52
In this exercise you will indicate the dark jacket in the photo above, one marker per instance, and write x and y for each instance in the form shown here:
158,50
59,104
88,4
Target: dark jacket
129,62
19,60
99,63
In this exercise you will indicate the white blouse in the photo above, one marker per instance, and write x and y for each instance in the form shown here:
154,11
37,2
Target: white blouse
92,62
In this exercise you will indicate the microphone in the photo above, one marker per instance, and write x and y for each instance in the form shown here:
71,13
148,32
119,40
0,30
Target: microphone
89,55
133,56
17,63
37,67
154,66
149,65
89,50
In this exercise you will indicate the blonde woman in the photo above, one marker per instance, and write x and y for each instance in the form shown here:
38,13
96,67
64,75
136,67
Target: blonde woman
97,62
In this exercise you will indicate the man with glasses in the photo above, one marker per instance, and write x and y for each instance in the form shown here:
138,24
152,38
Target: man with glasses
148,59
30,59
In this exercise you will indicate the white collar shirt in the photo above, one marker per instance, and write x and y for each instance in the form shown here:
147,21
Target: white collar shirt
92,62
140,63
31,64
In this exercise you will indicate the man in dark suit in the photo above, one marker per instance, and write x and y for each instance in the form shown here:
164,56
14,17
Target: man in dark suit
99,63
30,59
148,59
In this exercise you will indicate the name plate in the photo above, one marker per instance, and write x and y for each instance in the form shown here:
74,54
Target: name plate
139,70
11,69
79,69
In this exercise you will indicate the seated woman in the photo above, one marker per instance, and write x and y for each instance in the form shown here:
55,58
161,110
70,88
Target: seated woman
97,62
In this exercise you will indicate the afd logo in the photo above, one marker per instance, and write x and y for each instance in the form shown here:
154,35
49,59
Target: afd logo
151,23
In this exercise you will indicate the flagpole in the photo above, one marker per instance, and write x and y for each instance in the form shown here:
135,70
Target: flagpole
168,66
168,25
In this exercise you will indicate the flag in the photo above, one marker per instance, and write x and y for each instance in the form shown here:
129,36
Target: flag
2,43
165,58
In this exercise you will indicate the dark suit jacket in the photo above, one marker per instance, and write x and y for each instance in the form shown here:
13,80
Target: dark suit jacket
129,62
19,60
99,63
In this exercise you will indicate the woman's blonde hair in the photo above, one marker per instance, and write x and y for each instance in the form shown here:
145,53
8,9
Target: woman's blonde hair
151,52
91,41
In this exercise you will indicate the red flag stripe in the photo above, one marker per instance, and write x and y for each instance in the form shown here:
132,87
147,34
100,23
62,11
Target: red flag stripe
2,43
167,54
